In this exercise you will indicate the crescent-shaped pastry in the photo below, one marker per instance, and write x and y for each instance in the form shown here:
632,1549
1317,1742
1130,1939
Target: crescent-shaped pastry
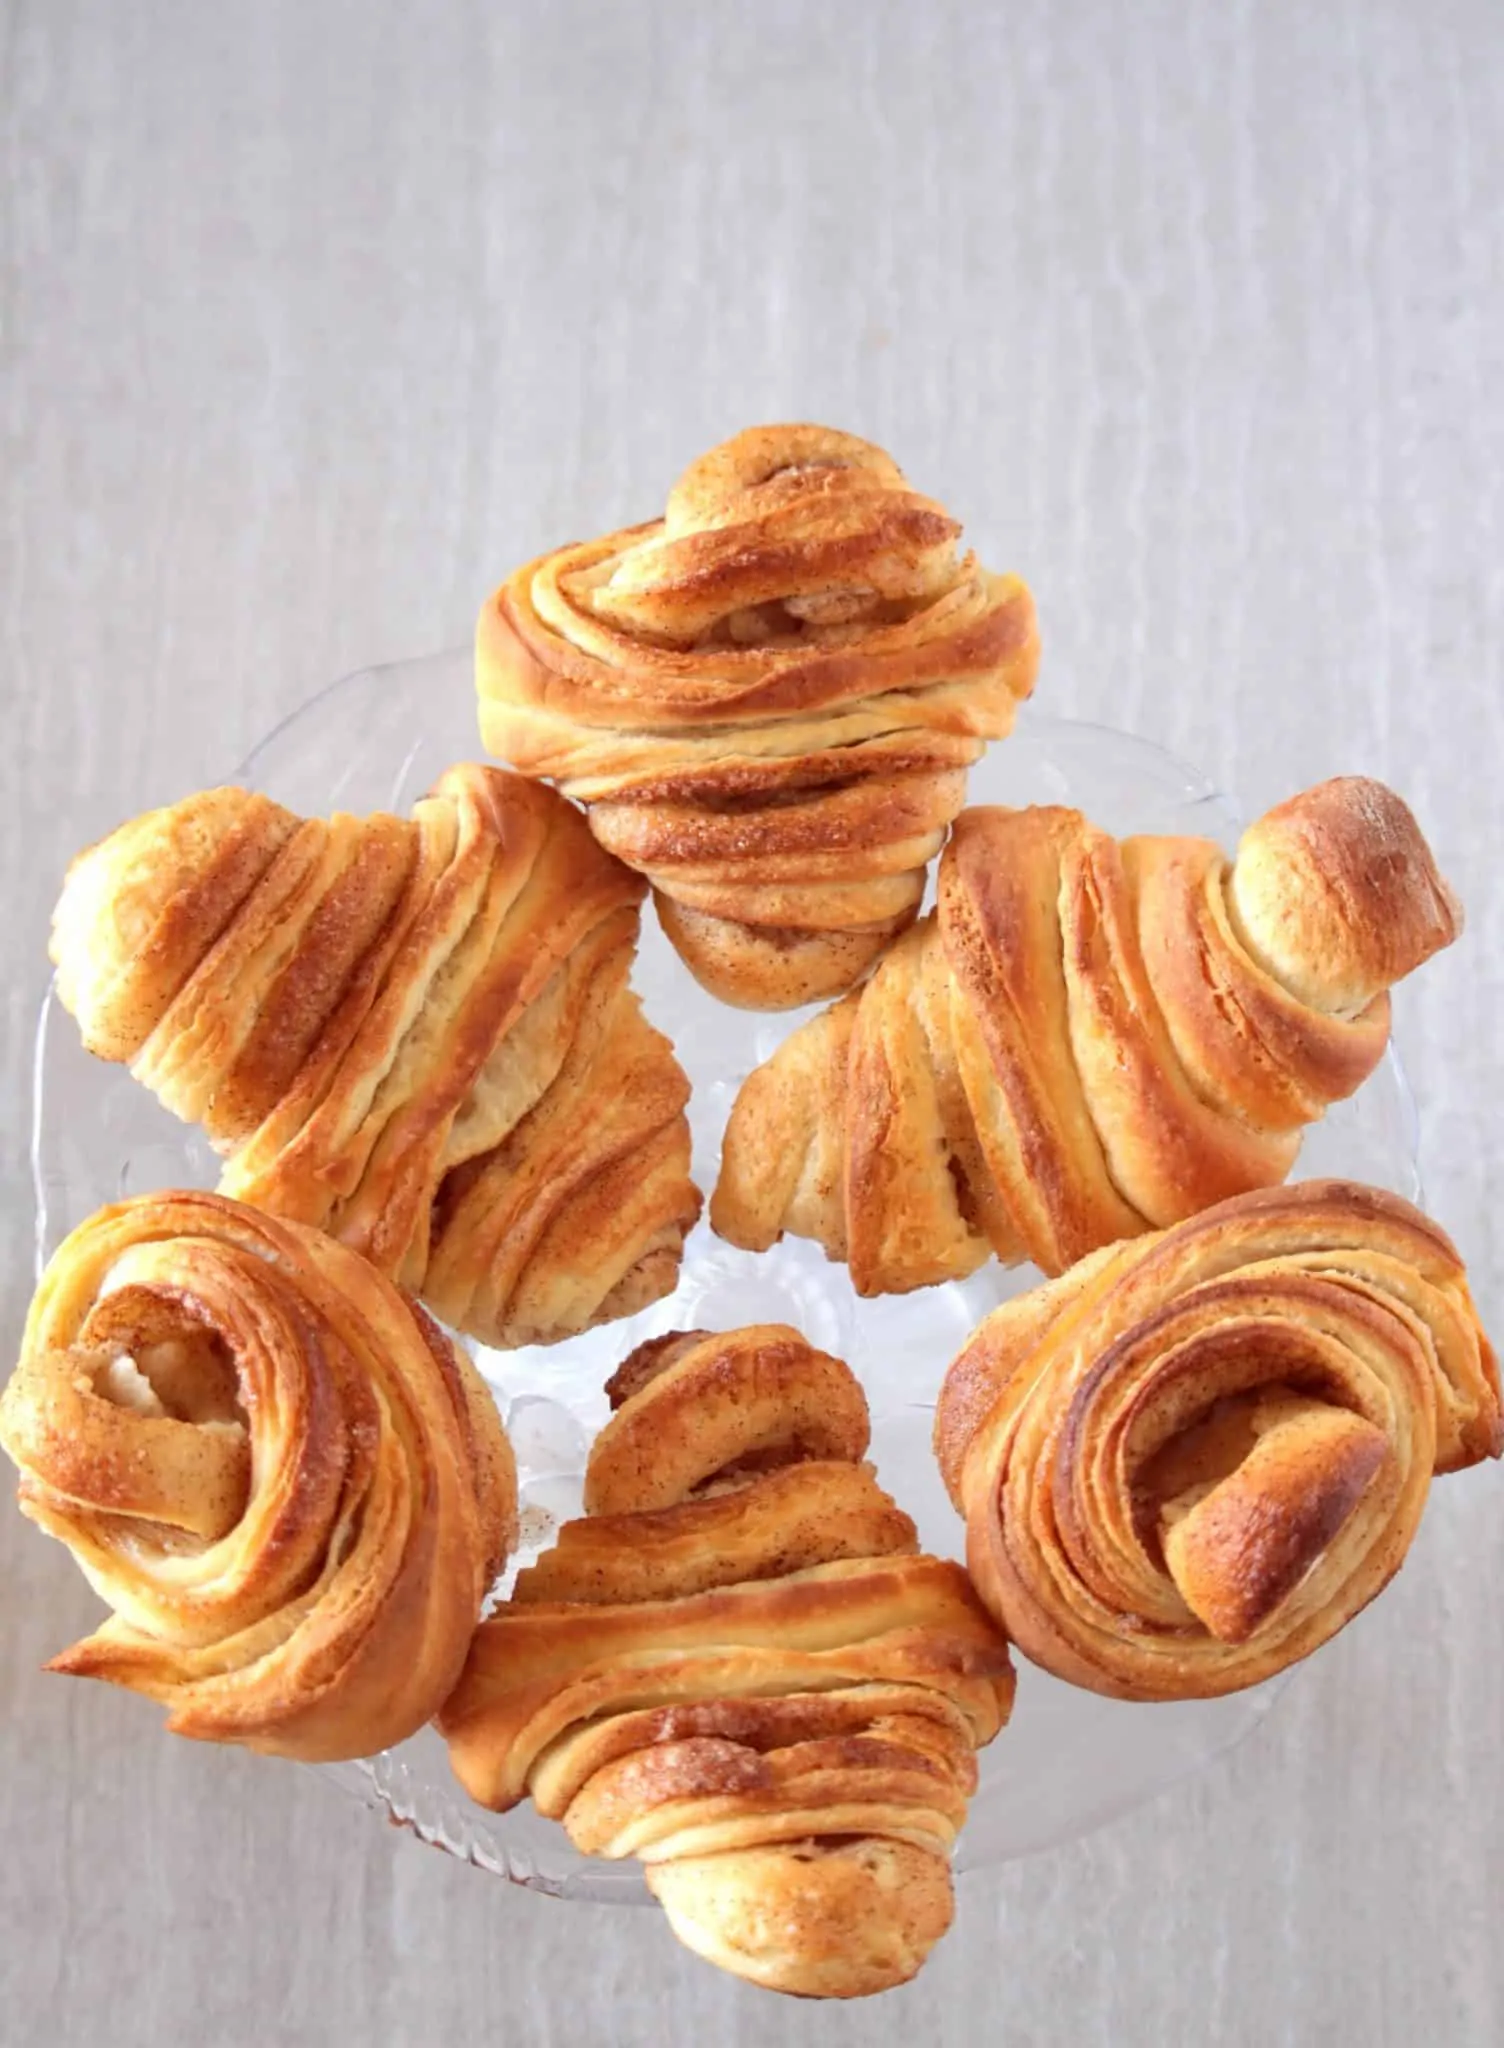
414,1033
1190,1461
1087,1039
290,1486
737,1668
768,700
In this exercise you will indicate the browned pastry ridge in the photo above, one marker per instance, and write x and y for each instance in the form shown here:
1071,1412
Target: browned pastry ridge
737,1668
290,1486
768,700
414,1033
1193,1459
1088,1038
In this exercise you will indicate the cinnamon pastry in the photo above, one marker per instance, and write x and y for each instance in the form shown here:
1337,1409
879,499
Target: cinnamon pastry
736,1668
416,1034
1087,1038
1190,1461
290,1486
768,700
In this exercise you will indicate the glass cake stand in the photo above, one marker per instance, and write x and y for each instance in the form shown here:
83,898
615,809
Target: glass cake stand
1069,1760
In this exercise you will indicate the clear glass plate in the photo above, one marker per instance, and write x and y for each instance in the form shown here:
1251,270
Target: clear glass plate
1069,1760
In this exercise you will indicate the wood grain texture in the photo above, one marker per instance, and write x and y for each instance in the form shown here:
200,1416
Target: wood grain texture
315,317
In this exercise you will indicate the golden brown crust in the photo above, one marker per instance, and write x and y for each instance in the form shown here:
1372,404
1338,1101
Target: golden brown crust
768,699
286,1482
783,1158
1189,1463
996,1358
140,908
1088,1039
820,1919
416,1034
760,1393
647,1361
1337,895
1237,1553
782,1520
740,1671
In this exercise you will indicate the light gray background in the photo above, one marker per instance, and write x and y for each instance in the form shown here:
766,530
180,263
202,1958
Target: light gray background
317,317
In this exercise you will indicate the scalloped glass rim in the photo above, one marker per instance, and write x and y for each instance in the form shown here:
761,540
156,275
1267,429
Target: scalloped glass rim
1069,1761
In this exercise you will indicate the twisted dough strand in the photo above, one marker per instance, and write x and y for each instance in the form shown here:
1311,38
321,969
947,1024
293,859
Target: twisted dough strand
768,700
736,1668
1087,1039
288,1484
416,1034
1193,1459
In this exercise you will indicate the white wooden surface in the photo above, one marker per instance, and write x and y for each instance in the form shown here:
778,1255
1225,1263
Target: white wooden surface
315,317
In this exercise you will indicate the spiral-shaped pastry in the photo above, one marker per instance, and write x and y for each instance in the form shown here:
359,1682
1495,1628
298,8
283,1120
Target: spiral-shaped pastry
768,699
290,1486
414,1033
1087,1039
736,1668
1189,1462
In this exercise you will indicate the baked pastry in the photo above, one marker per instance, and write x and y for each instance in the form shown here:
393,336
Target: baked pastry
414,1033
290,1486
1190,1461
737,1668
768,700
1087,1039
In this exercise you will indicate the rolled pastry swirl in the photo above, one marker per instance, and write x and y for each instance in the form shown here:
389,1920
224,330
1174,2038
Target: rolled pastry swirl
1189,1462
736,1668
768,699
1087,1039
290,1486
414,1033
